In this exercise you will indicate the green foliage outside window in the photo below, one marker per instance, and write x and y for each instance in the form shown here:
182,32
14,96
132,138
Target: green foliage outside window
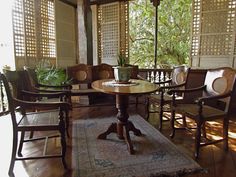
174,24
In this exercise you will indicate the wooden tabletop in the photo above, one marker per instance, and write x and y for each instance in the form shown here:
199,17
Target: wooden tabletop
135,87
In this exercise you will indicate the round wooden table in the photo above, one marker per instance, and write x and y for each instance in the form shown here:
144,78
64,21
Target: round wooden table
122,92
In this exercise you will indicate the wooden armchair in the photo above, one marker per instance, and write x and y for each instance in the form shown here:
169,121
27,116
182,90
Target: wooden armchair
51,121
36,86
213,104
161,100
23,90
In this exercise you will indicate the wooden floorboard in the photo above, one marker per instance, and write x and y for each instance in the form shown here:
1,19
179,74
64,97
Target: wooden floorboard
212,158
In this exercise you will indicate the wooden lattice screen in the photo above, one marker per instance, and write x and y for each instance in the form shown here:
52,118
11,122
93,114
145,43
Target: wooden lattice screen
213,33
34,31
112,31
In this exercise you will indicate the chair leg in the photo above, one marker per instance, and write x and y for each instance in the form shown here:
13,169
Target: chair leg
172,123
197,139
204,130
63,139
63,145
13,154
225,133
147,108
161,115
184,120
31,134
136,101
67,124
21,143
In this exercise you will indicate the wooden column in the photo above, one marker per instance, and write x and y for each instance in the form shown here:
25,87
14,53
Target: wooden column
85,48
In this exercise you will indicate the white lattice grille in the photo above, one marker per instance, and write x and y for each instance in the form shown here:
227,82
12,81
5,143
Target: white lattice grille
18,27
196,27
34,30
213,32
109,31
47,31
30,31
112,31
216,44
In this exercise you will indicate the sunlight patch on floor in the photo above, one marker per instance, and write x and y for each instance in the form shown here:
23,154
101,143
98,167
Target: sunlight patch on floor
232,134
214,137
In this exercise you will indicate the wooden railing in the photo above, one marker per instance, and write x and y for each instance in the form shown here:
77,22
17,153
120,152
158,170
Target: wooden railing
3,100
155,75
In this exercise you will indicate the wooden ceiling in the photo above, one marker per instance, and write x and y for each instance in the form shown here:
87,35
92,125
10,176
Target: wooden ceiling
74,2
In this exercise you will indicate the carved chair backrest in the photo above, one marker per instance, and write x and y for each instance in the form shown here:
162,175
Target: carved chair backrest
103,71
220,81
29,81
18,81
32,75
9,97
80,73
179,74
15,83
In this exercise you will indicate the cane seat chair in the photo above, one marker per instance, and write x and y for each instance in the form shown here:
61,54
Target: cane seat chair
213,104
34,84
22,121
23,90
160,101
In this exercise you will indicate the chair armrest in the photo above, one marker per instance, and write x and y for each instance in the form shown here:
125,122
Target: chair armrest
64,86
201,100
29,104
53,90
172,86
163,82
172,91
45,94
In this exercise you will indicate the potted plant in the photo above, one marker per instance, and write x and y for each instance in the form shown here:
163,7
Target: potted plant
122,71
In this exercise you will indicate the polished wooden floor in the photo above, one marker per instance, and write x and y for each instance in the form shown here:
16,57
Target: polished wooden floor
213,158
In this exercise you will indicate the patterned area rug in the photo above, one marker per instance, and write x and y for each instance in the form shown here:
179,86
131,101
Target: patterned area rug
154,154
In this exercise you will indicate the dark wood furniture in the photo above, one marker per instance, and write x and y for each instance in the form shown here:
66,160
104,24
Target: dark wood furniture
34,85
24,90
84,75
81,75
214,103
35,121
122,94
161,100
102,71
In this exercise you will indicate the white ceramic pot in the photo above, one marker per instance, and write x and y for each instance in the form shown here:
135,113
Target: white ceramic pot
122,74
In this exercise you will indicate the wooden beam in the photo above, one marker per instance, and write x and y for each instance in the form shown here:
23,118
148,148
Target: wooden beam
92,2
69,3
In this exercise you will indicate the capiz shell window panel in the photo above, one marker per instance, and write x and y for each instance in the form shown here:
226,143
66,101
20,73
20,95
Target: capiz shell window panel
213,33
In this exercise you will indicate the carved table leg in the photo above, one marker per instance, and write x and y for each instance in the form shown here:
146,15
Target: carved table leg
128,141
111,129
123,116
122,124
